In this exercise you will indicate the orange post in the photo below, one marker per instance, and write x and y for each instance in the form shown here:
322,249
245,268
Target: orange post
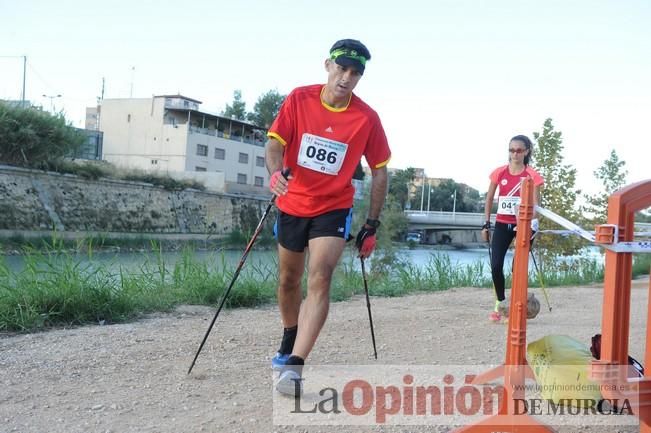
515,369
612,369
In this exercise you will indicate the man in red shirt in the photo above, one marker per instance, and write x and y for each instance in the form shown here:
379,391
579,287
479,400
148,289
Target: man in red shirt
320,134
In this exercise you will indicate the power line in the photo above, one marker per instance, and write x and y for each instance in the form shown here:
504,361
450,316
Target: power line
24,75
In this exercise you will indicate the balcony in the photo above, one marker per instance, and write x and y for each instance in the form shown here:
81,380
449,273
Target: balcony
181,103
257,141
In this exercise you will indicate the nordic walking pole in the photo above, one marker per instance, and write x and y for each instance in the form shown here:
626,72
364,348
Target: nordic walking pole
247,250
368,306
540,278
542,284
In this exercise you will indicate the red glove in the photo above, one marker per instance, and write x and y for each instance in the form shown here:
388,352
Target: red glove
365,241
275,177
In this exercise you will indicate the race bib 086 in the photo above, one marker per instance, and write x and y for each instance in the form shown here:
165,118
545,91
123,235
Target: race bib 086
320,154
507,205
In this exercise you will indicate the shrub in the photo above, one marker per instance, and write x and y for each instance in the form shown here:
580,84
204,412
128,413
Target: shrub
34,138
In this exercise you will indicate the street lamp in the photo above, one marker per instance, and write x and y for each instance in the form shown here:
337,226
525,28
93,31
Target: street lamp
52,98
429,196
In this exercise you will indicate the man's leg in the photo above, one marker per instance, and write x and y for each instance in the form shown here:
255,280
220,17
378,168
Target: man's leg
291,268
323,257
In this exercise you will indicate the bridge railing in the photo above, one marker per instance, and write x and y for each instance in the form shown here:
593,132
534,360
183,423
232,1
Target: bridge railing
470,219
441,217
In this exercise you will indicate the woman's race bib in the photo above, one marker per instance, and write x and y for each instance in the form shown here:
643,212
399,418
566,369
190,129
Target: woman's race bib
507,205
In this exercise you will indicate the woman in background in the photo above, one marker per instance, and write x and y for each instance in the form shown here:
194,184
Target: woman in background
507,181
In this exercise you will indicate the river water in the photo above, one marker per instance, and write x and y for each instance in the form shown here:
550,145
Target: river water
420,257
134,260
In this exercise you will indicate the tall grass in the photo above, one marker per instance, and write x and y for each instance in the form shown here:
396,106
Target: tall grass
55,288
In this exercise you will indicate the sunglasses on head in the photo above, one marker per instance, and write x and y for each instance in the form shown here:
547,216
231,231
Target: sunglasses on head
518,151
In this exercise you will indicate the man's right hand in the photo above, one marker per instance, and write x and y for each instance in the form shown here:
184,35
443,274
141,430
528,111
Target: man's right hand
278,182
365,241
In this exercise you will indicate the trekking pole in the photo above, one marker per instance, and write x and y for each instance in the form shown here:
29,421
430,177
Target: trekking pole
542,283
257,231
368,307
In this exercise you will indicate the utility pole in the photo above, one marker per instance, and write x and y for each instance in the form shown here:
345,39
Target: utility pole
99,106
24,75
422,192
133,71
23,97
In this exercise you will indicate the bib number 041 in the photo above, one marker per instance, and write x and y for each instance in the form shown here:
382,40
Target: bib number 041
507,205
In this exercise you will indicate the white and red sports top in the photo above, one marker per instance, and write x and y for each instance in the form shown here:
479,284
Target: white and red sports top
508,196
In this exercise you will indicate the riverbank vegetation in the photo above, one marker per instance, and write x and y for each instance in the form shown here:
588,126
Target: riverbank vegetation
55,288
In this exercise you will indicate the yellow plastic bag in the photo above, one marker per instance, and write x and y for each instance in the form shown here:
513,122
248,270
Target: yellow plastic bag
561,365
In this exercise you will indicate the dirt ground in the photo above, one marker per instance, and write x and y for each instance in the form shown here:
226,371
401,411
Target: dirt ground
132,377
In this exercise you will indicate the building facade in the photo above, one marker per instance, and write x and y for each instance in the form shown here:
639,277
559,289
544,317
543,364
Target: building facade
169,133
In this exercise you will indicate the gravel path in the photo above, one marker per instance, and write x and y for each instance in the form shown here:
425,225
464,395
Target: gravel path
132,377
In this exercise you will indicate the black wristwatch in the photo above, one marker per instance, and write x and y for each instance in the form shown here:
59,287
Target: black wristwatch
373,223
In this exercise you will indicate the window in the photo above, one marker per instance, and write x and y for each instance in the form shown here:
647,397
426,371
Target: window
259,181
241,178
154,162
200,169
244,158
202,150
220,153
259,161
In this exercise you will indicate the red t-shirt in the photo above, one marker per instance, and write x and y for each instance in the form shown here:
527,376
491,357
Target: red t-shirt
323,146
508,196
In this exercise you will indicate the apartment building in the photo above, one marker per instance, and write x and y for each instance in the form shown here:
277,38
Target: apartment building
169,133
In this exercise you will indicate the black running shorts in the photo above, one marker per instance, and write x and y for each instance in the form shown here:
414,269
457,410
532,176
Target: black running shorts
294,232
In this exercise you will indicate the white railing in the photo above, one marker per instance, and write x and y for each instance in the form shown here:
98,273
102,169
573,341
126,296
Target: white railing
470,219
446,218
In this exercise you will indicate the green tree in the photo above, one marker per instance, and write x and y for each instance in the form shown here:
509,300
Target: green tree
442,196
400,182
266,108
558,193
394,226
471,200
612,176
35,138
643,216
449,195
238,109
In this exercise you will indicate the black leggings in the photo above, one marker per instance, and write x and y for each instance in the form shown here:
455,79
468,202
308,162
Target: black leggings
503,235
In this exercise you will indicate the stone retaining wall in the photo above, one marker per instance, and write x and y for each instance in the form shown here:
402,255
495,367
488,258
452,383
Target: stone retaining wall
35,200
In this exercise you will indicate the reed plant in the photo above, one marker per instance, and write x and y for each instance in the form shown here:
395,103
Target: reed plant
57,288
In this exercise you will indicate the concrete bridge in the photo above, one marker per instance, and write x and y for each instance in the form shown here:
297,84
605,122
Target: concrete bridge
459,227
436,220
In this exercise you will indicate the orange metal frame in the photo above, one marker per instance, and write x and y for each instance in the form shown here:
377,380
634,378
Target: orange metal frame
515,369
612,368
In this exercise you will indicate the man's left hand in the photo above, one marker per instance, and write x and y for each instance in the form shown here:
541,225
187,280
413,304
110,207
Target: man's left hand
365,241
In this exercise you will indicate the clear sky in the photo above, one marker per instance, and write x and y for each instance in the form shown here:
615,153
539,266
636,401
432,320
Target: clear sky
452,80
